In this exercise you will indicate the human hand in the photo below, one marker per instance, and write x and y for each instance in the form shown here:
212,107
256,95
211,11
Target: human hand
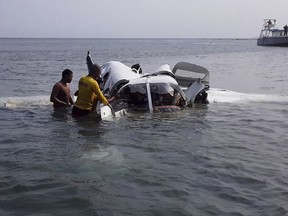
111,99
112,110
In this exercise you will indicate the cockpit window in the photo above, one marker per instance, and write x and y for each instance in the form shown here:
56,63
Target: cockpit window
162,88
138,88
162,94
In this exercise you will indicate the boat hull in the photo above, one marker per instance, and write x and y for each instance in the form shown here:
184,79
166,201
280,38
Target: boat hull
273,41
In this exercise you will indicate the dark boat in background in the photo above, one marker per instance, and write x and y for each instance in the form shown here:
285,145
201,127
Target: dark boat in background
270,35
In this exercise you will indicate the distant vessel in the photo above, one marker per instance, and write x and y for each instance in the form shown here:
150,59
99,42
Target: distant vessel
271,35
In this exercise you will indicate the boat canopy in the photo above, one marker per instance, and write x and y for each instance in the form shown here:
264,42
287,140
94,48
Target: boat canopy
270,29
277,32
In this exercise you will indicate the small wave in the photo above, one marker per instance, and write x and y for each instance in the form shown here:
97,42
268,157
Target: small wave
24,102
226,96
107,155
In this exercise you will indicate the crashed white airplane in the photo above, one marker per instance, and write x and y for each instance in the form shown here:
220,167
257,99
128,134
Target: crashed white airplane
162,90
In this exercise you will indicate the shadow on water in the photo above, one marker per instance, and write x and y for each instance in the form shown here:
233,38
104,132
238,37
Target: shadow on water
77,134
61,114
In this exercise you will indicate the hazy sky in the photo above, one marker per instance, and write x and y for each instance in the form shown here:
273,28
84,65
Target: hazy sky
139,18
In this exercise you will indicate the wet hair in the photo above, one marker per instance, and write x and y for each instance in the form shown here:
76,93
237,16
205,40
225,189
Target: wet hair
95,67
95,70
66,72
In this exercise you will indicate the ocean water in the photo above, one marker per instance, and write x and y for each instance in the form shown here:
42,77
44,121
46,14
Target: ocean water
228,157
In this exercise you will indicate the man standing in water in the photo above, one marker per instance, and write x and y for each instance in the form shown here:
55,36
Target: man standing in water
285,30
60,95
89,93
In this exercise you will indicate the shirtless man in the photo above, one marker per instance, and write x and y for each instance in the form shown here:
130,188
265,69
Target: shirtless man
60,95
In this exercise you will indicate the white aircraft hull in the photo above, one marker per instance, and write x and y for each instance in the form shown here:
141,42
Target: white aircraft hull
156,91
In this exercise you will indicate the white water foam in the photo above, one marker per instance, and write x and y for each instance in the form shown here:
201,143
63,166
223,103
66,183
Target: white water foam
216,95
25,102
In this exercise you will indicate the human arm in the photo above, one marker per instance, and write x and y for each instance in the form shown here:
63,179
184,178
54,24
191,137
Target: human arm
103,98
71,101
111,99
100,95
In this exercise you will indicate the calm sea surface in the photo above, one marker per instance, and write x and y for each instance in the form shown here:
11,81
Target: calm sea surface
229,157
